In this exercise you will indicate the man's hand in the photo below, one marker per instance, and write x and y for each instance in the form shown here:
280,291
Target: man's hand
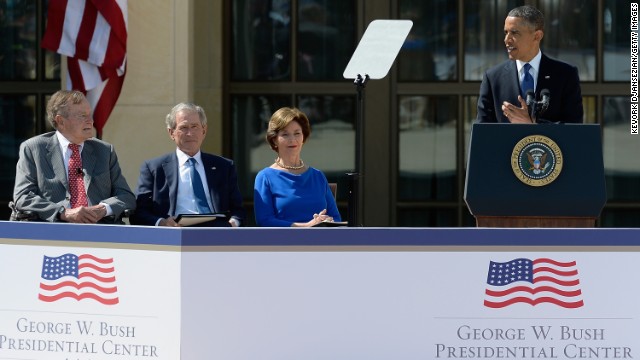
170,221
517,115
84,214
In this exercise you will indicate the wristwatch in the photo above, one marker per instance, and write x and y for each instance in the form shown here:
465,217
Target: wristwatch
59,213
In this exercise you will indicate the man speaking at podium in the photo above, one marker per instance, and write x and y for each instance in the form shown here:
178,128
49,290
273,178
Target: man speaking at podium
530,87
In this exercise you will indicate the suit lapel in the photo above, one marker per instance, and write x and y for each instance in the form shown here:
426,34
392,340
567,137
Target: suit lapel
170,167
210,173
88,163
56,161
510,72
544,76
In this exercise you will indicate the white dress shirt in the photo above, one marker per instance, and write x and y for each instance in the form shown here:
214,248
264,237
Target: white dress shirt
535,69
186,199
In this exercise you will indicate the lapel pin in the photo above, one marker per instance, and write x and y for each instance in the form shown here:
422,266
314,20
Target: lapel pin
213,168
547,77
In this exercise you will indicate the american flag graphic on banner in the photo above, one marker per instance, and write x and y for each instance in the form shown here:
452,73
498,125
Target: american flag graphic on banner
78,277
533,282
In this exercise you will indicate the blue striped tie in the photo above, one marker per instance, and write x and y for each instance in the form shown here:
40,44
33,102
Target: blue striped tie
527,81
198,188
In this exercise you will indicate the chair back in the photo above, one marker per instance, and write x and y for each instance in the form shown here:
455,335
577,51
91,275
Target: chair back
334,189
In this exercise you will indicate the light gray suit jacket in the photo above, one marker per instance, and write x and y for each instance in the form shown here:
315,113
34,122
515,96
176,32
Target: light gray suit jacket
41,180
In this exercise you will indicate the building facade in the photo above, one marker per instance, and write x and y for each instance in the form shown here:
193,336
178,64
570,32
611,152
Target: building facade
243,59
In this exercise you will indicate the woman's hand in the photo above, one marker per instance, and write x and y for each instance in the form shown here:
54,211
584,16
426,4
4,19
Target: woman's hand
317,219
321,217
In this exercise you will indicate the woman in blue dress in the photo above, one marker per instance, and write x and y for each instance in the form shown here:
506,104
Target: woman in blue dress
289,192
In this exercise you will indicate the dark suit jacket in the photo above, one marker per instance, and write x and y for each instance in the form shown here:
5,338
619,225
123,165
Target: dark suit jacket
41,180
157,192
501,83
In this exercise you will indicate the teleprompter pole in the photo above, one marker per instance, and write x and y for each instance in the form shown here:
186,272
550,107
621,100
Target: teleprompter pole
354,177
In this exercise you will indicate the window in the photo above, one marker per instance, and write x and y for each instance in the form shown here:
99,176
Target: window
287,53
28,75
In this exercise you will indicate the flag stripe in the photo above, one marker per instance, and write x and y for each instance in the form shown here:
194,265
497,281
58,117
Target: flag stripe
564,304
55,24
533,291
72,22
117,41
83,296
75,75
556,281
553,262
84,36
554,271
107,100
96,277
96,259
83,285
95,267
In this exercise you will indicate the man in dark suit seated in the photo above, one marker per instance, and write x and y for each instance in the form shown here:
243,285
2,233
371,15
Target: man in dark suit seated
504,87
68,175
187,181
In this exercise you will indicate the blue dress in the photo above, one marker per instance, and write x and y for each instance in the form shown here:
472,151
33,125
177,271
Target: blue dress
281,198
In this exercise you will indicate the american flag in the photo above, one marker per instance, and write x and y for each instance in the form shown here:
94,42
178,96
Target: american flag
78,277
533,282
93,36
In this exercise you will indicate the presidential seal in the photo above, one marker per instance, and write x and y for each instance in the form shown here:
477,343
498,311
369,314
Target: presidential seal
536,160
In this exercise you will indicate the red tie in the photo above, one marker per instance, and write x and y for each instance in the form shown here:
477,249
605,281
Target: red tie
76,178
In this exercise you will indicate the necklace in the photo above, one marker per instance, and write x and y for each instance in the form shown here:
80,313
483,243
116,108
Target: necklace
279,163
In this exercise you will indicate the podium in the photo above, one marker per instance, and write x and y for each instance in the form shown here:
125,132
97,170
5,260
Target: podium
547,175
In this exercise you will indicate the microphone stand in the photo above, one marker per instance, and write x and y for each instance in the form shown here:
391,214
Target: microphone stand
532,115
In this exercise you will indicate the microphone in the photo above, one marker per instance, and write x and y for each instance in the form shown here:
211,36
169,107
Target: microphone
546,98
79,171
530,98
531,103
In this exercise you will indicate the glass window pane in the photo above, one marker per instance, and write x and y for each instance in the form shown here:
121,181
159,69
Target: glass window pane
589,109
570,34
484,35
326,38
51,59
331,145
251,114
429,53
427,218
261,40
18,44
427,165
17,121
617,40
620,218
470,104
621,163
